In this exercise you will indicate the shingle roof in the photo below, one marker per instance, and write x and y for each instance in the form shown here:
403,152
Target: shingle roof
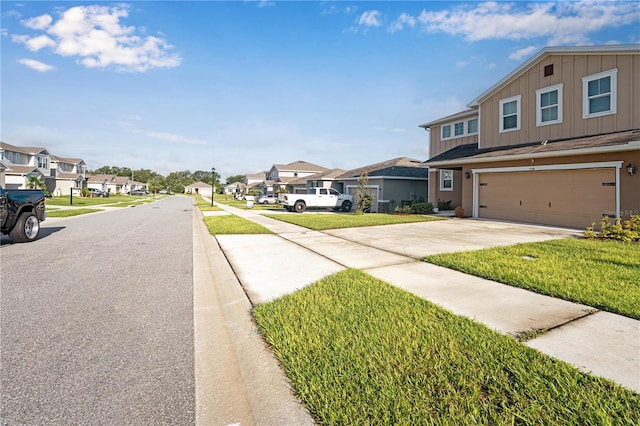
606,142
401,167
21,170
301,166
23,149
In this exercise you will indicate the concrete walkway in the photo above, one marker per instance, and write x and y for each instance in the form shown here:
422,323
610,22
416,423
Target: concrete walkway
269,266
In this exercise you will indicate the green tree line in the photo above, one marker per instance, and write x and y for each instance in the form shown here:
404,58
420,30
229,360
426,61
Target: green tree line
174,181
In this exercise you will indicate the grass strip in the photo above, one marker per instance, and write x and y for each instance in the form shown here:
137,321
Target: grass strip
232,224
320,222
601,274
359,351
70,212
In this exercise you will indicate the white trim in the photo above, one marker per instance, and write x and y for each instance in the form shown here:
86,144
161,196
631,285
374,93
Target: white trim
465,128
440,179
559,88
545,167
613,94
518,100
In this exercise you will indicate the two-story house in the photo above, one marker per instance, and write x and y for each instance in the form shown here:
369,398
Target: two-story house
555,142
67,174
282,174
23,163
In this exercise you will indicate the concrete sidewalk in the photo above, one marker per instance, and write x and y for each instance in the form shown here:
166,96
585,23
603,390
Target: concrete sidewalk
601,343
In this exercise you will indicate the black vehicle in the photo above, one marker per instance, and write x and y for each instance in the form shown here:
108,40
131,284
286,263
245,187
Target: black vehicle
21,211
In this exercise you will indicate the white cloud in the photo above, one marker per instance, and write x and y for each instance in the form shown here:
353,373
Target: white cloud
522,53
35,65
399,24
370,18
38,23
95,35
561,22
34,43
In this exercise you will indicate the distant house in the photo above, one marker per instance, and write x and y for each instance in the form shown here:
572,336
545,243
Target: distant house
200,188
391,182
555,142
282,175
68,174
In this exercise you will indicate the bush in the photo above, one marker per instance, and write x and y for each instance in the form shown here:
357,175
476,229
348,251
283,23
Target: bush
621,230
421,208
444,205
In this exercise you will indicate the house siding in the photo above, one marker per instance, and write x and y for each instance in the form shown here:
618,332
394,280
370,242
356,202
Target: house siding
568,70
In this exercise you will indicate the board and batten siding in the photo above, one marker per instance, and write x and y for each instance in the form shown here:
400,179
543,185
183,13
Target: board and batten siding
569,71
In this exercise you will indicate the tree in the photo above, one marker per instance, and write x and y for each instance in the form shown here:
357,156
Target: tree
36,182
363,198
235,179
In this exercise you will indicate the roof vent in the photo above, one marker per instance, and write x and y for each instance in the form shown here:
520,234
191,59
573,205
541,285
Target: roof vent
548,70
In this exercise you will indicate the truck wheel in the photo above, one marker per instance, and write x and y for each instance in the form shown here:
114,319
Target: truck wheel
299,206
26,228
346,206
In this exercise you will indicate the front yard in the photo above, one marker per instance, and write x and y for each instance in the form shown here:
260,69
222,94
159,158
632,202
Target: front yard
360,351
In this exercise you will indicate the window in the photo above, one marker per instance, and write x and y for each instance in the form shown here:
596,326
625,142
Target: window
446,180
458,129
549,105
472,126
446,131
599,94
510,114
42,163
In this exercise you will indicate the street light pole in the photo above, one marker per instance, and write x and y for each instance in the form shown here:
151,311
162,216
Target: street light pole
213,180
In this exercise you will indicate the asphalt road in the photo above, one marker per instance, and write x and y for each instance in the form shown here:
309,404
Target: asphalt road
96,320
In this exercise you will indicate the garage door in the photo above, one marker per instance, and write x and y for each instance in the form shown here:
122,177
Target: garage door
572,198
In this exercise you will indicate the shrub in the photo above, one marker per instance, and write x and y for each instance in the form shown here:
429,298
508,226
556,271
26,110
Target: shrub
421,208
444,205
621,230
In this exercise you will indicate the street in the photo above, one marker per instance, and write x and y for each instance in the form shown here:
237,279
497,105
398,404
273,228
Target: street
96,321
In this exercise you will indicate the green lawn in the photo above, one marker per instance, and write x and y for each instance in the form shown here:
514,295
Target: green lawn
319,222
359,351
70,212
601,274
232,224
86,201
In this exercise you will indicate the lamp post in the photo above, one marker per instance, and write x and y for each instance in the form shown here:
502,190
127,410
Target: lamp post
213,180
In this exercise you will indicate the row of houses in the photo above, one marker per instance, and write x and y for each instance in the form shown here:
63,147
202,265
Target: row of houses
20,165
555,142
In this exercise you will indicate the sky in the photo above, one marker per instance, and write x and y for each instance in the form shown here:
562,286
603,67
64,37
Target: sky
243,85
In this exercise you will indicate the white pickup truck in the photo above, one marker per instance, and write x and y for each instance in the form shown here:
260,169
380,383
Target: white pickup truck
316,198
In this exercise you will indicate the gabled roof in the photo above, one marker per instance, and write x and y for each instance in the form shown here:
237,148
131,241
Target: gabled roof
259,175
199,184
610,142
23,149
68,176
577,50
66,160
401,167
22,170
300,166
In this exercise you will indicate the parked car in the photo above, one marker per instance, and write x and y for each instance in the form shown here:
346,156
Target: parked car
267,199
21,211
139,192
316,198
95,192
